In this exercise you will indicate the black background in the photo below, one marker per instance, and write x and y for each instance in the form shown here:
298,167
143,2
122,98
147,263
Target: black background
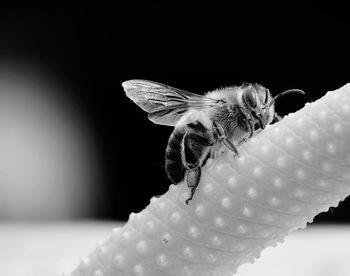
194,47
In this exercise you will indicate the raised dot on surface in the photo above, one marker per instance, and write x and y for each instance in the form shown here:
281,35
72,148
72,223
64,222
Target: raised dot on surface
335,96
154,200
331,148
219,168
322,183
118,260
300,174
277,130
116,233
313,134
241,160
219,222
162,260
199,210
274,202
149,225
299,193
187,271
132,216
277,183
98,273
232,182
216,241
246,211
161,205
141,247
208,188
102,243
252,193
175,217
345,108
281,161
300,122
166,239
264,149
289,141
193,232
306,155
269,218
322,114
138,270
126,235
242,229
257,171
116,230
252,140
337,128
226,202
103,249
173,187
86,261
188,252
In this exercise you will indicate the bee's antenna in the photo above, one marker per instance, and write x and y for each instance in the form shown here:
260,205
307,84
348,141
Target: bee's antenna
285,93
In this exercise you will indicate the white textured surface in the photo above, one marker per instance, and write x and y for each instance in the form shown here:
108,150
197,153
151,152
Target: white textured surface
43,249
286,175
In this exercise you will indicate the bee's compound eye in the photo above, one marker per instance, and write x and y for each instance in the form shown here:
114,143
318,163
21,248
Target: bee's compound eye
249,99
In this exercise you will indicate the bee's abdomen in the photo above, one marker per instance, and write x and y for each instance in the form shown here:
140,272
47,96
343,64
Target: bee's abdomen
173,163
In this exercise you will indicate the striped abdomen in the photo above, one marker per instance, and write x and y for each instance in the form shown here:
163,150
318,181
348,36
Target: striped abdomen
198,138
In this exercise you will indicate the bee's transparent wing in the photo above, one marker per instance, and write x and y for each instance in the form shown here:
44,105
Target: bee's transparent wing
165,104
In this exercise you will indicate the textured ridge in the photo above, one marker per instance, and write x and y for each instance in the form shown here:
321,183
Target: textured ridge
285,176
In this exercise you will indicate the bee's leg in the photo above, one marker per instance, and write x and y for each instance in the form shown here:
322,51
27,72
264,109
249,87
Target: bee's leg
192,178
219,131
230,146
276,118
251,128
223,137
187,165
248,118
260,120
193,171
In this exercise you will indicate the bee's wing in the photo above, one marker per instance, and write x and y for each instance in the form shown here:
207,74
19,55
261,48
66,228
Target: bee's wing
165,104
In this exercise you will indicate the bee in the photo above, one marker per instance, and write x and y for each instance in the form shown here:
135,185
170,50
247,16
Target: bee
204,126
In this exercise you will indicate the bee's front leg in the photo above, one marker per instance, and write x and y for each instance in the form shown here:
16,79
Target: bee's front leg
222,136
276,118
251,128
228,144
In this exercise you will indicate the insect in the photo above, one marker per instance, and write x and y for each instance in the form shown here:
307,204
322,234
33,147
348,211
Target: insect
204,126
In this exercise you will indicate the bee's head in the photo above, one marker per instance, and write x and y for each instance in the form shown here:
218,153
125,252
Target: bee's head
261,105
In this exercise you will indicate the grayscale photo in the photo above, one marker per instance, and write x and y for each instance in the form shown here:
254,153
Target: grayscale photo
174,139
